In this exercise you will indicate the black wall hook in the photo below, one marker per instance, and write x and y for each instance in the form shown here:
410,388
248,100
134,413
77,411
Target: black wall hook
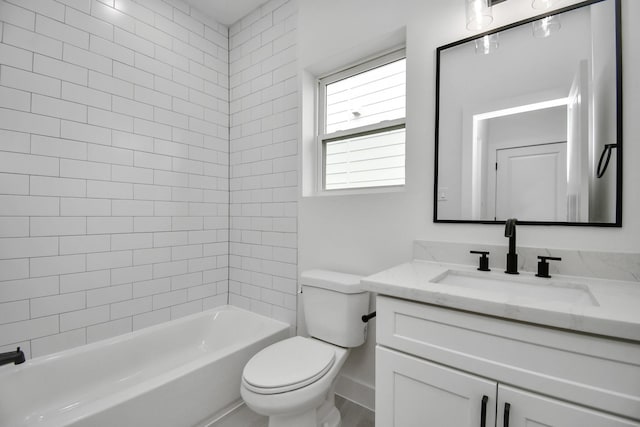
606,150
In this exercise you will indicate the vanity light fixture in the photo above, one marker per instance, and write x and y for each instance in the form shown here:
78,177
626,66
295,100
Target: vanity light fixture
479,14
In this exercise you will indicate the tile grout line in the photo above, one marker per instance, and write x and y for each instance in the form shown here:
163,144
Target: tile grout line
229,165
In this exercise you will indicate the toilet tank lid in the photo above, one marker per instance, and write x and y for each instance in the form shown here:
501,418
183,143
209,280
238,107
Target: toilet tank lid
332,280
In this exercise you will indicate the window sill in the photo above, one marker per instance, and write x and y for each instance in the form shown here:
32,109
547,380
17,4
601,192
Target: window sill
357,191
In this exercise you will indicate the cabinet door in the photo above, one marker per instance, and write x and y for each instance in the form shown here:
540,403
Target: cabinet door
412,392
533,410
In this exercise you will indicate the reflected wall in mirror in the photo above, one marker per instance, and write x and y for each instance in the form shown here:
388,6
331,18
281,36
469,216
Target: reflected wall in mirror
526,118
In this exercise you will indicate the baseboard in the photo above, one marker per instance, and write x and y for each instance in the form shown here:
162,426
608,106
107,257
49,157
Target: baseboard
238,415
357,392
221,413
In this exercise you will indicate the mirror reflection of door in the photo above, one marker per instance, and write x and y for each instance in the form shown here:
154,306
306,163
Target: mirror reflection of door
540,125
531,180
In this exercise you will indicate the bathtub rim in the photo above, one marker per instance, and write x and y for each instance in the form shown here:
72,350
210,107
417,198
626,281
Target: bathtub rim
130,336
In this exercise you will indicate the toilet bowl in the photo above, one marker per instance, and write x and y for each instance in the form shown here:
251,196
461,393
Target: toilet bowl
291,378
293,381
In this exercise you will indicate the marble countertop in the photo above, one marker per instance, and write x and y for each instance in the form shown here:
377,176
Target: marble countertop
612,307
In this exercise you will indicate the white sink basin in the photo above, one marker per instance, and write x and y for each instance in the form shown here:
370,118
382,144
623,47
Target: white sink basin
517,288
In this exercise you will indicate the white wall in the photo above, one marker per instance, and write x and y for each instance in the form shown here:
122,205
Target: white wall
369,232
113,168
263,151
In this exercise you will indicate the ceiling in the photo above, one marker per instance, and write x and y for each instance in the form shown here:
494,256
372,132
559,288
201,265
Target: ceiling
226,12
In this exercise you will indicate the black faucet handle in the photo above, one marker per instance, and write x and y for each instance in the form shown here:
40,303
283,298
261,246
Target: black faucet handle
550,258
483,261
543,266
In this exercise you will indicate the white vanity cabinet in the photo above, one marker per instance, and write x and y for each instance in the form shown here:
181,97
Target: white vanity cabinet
435,365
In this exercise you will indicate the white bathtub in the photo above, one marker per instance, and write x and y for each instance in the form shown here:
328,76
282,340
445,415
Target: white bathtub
182,373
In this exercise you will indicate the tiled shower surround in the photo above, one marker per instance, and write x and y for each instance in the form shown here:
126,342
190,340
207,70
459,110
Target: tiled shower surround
264,162
114,167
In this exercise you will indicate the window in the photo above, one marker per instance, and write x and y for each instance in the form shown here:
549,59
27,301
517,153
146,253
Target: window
362,124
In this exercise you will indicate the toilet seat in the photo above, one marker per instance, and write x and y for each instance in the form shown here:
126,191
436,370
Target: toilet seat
288,365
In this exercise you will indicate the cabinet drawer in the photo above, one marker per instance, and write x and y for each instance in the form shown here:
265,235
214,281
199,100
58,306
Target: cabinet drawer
589,370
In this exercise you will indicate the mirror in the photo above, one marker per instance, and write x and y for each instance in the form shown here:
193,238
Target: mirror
528,121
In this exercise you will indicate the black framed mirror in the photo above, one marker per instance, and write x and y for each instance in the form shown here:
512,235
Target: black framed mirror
529,121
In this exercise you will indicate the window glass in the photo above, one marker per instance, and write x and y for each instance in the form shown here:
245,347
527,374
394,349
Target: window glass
373,160
367,98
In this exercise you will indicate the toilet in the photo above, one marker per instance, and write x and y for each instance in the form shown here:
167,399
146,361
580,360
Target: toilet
293,381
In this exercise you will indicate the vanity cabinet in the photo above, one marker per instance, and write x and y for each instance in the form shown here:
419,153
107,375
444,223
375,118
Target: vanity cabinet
437,367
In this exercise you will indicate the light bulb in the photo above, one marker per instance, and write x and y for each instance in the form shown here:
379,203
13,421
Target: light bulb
478,14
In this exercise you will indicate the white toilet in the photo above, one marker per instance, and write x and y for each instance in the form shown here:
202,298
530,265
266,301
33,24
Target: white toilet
292,381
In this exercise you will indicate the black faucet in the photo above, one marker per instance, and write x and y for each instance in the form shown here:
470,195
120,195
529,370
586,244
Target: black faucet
15,357
512,256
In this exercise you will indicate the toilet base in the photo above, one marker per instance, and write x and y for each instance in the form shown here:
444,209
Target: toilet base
331,420
326,415
306,419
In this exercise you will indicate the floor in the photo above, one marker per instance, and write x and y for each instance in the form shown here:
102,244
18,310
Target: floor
353,415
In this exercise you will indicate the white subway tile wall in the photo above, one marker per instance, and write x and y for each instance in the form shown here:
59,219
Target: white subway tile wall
263,157
114,165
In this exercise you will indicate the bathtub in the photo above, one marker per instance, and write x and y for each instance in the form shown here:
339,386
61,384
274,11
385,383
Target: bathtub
181,373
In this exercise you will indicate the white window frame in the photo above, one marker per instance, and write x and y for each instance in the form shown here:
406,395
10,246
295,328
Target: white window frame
323,138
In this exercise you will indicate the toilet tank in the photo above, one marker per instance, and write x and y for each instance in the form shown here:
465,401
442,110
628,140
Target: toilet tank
333,307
